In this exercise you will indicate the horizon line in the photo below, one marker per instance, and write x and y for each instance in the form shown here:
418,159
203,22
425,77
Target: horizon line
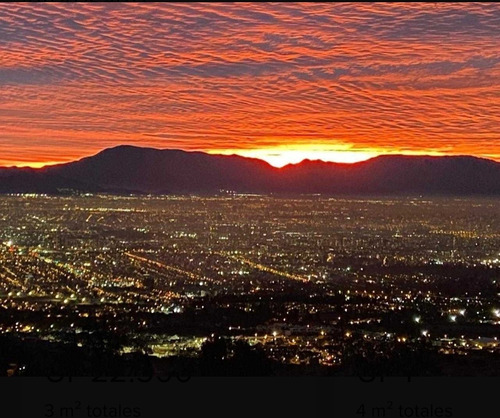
46,164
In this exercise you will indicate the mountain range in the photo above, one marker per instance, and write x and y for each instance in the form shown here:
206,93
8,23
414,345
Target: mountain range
128,169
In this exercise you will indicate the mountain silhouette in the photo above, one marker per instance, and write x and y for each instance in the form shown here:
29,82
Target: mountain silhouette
129,169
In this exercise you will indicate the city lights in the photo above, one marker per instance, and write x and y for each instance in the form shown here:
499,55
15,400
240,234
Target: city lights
170,274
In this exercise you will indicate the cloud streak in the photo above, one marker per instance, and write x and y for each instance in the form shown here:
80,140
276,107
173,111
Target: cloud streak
75,78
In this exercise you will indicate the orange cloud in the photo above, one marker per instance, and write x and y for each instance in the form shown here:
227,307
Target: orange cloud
321,80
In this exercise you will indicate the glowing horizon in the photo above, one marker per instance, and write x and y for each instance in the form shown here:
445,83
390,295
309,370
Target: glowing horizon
279,157
278,81
276,157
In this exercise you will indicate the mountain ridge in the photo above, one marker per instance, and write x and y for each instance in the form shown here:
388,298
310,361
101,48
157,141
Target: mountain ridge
131,169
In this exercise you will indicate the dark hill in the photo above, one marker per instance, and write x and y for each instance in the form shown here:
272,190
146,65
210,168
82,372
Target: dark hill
127,169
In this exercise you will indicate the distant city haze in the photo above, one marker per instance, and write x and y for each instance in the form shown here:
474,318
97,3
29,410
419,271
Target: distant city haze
279,82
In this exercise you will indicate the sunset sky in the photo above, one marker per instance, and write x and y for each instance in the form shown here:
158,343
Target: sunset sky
282,82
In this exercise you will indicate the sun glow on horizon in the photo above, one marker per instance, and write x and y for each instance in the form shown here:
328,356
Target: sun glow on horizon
30,164
275,156
281,156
